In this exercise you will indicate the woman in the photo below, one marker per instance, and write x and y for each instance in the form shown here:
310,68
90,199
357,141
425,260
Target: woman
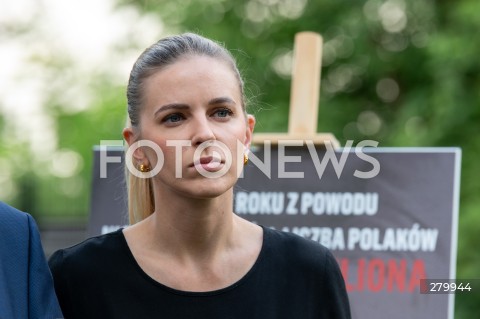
186,254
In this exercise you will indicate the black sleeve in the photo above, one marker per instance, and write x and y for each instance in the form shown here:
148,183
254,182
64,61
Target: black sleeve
337,305
58,269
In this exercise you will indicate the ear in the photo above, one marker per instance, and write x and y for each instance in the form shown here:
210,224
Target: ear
249,131
131,137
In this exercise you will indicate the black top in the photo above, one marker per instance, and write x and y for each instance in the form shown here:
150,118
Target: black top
292,278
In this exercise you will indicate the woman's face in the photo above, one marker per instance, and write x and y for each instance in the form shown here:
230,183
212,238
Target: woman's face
193,111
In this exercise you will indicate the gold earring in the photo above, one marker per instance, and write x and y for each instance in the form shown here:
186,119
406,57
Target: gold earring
144,168
245,159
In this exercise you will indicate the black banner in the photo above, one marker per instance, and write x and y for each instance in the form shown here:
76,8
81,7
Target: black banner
389,215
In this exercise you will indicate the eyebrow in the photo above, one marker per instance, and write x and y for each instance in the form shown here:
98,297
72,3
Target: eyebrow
182,106
171,106
221,100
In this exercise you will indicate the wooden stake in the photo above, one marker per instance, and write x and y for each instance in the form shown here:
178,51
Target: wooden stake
304,94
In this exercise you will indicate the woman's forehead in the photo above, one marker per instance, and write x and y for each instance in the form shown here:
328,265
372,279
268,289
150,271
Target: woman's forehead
191,65
197,75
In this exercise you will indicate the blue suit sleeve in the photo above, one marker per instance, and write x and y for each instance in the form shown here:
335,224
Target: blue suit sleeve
42,300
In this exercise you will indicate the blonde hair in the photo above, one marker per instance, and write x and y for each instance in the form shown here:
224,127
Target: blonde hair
165,52
141,203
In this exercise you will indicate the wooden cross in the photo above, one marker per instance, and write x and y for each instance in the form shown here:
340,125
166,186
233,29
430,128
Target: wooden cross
304,95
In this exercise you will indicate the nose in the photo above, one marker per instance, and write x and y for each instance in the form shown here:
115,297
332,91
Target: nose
202,131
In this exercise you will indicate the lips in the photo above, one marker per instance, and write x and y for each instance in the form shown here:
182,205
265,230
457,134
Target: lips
209,163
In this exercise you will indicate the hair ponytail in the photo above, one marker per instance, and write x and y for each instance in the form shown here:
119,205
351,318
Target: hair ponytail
140,197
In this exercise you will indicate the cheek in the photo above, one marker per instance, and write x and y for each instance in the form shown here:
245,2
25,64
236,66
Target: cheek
170,155
155,151
241,134
237,146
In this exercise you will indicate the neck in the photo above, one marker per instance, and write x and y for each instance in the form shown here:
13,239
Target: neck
193,227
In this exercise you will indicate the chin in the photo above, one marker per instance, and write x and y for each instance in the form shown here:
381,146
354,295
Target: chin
207,190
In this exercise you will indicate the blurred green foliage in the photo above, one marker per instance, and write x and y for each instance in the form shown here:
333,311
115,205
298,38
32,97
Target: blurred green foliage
402,72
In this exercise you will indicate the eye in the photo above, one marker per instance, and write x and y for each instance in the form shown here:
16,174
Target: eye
173,118
222,113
